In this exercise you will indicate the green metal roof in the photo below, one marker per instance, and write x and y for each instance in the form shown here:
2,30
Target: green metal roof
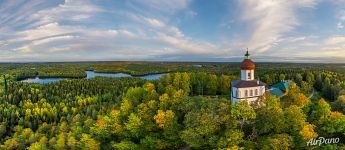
280,88
282,85
276,92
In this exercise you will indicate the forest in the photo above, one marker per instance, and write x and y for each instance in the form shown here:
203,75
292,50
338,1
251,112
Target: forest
188,108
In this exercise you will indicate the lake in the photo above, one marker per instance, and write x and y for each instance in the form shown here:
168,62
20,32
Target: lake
92,74
41,80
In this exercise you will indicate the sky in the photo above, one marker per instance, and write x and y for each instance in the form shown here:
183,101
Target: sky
172,30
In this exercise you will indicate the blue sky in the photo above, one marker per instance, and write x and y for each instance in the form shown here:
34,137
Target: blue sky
174,30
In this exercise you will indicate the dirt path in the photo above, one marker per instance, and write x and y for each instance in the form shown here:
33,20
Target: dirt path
312,94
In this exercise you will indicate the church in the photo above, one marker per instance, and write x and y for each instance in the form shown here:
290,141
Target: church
247,88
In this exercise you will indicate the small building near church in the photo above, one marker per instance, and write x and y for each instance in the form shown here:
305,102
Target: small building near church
280,89
247,89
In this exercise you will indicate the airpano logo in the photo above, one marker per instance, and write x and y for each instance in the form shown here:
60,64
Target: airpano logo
321,140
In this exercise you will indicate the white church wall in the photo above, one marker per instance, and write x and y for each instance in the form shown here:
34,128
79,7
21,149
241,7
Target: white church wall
249,100
261,91
242,96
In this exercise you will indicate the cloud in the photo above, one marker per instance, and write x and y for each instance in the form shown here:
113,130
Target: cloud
339,7
39,20
40,30
47,34
271,19
154,22
150,30
70,10
25,49
47,30
297,39
227,24
165,6
16,13
31,13
335,40
191,14
341,14
340,25
172,37
53,39
184,46
156,25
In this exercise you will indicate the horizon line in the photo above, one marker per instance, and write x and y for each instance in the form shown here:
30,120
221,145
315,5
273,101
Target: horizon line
163,61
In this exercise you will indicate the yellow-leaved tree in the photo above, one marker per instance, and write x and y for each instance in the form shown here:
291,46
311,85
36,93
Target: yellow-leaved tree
308,132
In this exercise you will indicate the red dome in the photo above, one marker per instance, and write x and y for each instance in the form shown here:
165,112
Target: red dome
247,64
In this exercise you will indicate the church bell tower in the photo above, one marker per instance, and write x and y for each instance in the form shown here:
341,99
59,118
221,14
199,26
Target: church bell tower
247,68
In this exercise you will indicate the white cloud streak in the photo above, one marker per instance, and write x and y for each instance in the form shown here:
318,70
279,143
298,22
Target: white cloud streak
42,30
335,40
166,5
48,35
271,19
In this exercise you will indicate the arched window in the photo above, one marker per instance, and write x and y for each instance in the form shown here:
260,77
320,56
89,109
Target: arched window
246,93
256,92
251,92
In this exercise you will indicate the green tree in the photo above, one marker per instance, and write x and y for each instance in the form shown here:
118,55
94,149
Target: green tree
268,79
318,82
212,84
270,117
310,78
333,125
231,138
2,129
134,125
243,112
224,84
177,83
185,82
72,142
295,119
282,77
200,128
298,78
126,145
151,92
12,144
86,142
276,142
320,111
102,129
338,105
60,142
37,146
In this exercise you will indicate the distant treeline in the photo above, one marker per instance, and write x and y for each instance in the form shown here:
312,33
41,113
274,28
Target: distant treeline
77,69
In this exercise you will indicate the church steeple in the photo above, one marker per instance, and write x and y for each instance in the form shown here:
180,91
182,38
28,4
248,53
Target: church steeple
247,68
247,54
